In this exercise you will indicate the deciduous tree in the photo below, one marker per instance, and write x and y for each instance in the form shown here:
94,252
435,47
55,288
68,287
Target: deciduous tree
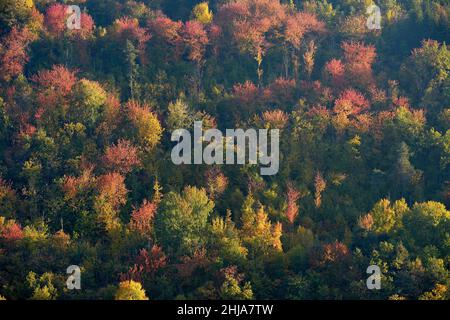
181,222
130,290
13,54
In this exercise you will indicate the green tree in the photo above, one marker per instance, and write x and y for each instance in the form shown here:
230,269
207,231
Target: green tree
407,179
428,224
232,289
181,224
43,288
426,74
179,115
89,101
14,12
226,241
132,68
385,217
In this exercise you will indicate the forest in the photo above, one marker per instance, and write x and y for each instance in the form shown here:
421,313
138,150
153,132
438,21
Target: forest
87,180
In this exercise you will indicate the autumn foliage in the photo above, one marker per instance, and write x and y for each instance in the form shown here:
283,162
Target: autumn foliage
142,218
292,207
13,52
87,117
121,157
54,86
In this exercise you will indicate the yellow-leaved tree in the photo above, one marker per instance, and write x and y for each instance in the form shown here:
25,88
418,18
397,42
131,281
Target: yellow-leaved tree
130,290
149,129
202,13
258,232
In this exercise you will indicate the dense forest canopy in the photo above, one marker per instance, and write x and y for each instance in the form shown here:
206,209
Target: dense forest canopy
86,177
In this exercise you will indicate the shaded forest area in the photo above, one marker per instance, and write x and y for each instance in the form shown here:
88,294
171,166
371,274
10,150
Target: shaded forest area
86,176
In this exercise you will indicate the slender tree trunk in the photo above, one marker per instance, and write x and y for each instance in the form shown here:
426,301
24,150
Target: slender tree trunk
295,63
286,61
259,71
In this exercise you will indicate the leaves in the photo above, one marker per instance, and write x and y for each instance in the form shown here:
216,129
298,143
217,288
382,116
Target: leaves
181,222
121,157
13,54
130,290
86,117
195,39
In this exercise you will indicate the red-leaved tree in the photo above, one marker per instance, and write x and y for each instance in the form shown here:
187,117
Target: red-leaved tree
351,102
13,54
292,207
195,38
55,19
54,86
358,62
167,35
147,264
121,157
335,70
128,29
142,218
249,23
296,26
